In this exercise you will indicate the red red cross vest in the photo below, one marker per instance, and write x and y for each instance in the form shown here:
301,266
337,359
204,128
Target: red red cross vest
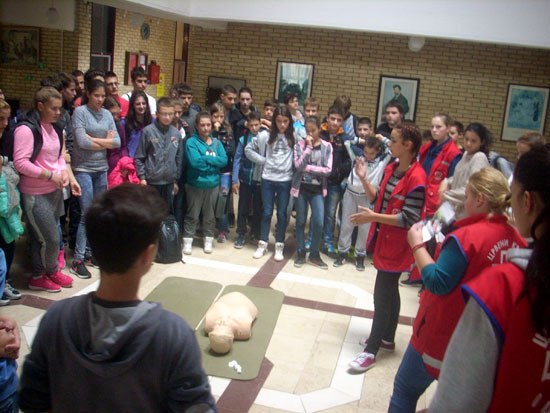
391,251
482,239
439,171
522,382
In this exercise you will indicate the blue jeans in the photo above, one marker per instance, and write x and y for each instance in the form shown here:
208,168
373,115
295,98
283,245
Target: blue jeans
91,184
316,224
412,379
225,187
9,404
249,193
274,192
334,195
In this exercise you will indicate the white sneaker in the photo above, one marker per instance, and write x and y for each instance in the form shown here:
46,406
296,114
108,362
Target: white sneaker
11,293
208,244
279,247
187,246
363,362
260,251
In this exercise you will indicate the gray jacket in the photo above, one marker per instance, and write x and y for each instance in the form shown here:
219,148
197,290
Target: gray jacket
159,154
255,151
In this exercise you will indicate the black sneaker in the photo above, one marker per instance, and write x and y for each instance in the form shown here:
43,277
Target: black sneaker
300,260
79,269
239,242
340,260
360,263
90,260
318,262
409,282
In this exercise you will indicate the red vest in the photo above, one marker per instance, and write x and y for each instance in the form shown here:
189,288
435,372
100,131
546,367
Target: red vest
439,171
482,239
522,382
391,250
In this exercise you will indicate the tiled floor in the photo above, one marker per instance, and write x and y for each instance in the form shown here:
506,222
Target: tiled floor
317,333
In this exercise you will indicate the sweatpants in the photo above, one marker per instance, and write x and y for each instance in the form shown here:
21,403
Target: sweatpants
200,200
350,205
42,214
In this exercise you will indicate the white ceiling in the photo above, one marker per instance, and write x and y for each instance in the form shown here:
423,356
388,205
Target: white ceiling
511,22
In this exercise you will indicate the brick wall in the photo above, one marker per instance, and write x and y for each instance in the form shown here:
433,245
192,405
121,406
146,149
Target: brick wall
467,80
12,78
67,51
159,47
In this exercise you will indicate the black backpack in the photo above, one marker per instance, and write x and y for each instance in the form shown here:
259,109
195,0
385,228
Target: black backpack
169,248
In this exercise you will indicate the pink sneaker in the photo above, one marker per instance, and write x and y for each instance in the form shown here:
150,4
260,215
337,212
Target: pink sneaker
44,283
363,362
61,279
61,259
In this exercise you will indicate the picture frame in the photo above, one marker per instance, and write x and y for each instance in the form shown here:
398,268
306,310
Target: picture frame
19,46
294,77
407,96
525,111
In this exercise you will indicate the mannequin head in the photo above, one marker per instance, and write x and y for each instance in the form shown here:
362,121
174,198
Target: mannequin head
221,337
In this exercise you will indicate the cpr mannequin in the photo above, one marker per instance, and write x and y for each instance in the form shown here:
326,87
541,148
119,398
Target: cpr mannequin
230,317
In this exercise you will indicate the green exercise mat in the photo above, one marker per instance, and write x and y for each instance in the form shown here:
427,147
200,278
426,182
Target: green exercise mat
186,297
248,353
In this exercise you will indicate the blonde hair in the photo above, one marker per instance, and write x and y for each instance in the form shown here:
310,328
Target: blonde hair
493,185
44,94
4,105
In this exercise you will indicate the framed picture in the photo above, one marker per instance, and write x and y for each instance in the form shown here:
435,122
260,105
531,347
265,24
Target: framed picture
525,111
19,45
402,89
293,78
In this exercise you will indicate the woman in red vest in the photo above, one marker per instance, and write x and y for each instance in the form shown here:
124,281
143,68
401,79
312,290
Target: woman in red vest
400,204
499,356
479,241
438,158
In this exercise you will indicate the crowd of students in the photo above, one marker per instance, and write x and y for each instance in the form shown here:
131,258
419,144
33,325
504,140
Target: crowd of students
370,187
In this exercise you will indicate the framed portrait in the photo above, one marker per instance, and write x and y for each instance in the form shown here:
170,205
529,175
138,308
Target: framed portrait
402,89
294,78
19,45
525,111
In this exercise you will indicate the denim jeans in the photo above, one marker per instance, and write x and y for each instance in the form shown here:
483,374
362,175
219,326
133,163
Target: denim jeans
9,404
91,184
274,192
9,251
246,194
3,271
412,379
334,195
316,223
222,223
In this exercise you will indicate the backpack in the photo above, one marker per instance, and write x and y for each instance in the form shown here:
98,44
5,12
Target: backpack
169,245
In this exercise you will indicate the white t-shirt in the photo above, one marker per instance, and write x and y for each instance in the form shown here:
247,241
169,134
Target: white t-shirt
151,99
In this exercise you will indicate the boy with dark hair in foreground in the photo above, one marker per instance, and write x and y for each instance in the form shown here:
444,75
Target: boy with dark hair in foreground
108,350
